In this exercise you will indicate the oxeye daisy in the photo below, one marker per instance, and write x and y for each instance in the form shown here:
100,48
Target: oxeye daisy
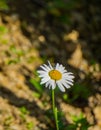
55,76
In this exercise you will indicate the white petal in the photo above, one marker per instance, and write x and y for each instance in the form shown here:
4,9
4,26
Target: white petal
64,71
68,82
41,72
68,78
43,81
57,66
43,75
44,68
45,78
47,84
61,68
50,65
70,73
60,86
65,84
50,84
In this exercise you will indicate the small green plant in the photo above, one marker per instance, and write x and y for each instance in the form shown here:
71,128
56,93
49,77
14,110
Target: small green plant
23,113
13,61
79,122
18,52
8,121
3,32
29,125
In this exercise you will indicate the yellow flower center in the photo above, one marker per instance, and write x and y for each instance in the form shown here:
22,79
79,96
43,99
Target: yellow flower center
55,75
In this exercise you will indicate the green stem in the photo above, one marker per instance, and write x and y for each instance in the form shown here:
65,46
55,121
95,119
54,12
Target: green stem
55,111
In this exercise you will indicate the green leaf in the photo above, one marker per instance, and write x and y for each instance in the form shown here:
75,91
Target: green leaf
13,61
37,95
77,118
37,85
71,127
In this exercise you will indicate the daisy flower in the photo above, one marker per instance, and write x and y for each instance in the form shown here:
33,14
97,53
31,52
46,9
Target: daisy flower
55,76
